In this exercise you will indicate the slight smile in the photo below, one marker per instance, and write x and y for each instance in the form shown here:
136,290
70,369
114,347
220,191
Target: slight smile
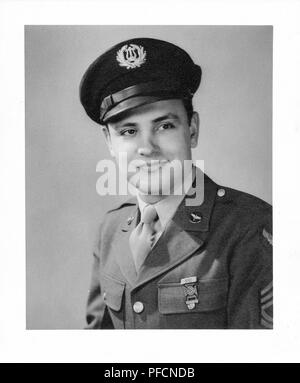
152,166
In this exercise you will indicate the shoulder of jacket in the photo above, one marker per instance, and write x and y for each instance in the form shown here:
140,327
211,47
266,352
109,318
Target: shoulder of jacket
240,198
246,201
247,208
249,216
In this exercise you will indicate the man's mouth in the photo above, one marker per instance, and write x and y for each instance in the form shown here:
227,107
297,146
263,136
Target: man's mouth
152,166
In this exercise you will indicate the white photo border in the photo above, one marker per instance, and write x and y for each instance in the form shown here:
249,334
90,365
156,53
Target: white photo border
280,345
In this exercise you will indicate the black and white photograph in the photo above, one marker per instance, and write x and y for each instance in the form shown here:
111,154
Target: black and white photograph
148,177
149,157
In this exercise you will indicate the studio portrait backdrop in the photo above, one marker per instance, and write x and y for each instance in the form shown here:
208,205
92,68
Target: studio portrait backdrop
63,146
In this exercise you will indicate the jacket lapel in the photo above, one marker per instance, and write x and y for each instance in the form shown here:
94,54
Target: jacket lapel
173,247
183,236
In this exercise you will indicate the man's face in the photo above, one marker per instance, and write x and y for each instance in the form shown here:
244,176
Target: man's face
160,135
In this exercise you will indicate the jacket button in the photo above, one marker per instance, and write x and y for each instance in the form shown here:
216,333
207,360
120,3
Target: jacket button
221,192
138,307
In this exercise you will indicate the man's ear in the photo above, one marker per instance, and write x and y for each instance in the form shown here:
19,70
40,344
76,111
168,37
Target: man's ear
105,130
194,129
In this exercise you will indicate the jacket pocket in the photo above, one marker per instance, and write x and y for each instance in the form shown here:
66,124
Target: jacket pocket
113,291
212,295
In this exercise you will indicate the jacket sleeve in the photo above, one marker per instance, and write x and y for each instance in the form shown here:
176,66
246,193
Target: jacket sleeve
97,315
250,300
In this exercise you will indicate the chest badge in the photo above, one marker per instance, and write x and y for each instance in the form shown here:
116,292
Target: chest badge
190,291
131,56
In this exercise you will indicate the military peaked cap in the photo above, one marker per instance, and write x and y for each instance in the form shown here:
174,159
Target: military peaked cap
134,73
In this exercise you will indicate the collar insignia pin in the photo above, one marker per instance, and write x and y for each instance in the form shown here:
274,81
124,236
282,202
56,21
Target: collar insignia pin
195,218
130,220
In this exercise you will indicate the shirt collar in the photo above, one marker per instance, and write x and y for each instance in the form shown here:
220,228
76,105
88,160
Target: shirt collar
182,216
166,208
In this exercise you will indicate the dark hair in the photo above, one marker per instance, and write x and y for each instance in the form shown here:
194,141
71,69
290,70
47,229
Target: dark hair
188,105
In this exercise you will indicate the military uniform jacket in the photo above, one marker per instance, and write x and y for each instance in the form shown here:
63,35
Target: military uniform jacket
227,251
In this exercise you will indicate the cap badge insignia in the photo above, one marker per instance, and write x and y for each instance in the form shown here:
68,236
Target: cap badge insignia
131,56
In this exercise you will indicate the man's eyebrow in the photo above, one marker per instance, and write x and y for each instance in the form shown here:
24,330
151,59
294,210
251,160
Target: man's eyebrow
129,124
125,125
171,116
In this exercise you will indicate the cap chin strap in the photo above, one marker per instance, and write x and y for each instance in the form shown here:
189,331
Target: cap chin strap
126,99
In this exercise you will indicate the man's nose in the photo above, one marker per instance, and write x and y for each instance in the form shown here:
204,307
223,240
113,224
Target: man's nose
147,146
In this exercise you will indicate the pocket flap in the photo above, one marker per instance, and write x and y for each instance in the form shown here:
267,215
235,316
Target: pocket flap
212,295
113,291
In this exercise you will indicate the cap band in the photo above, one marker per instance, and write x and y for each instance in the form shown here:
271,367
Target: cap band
129,104
116,101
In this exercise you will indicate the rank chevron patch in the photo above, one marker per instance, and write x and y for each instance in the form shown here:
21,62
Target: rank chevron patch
266,305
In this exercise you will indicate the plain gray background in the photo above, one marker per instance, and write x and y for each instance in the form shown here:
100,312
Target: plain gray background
63,145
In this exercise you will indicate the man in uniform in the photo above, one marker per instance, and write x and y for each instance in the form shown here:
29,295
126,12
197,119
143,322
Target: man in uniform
162,262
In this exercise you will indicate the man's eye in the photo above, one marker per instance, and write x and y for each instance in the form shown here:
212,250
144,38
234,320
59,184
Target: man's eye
166,126
128,132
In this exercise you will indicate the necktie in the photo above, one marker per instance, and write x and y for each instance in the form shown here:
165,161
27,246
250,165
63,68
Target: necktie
142,237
